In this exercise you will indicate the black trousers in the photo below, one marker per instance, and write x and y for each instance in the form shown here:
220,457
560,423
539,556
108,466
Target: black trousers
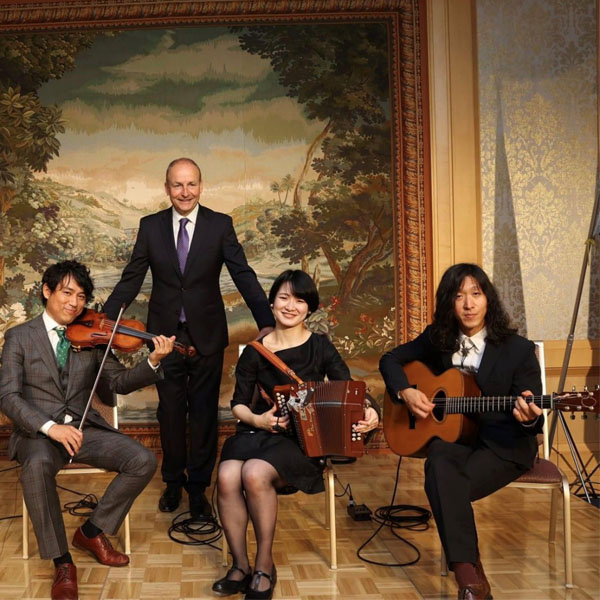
455,476
189,393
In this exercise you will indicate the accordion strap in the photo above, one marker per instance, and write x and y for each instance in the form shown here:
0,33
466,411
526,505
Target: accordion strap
275,360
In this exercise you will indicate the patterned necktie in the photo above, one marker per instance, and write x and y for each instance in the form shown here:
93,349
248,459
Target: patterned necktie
62,348
183,246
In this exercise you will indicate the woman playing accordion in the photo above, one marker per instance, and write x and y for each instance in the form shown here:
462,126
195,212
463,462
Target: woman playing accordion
260,461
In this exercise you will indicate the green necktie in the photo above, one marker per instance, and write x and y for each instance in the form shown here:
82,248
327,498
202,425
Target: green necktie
62,349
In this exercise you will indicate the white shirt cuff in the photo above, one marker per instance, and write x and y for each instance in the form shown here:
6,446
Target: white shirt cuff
154,368
45,428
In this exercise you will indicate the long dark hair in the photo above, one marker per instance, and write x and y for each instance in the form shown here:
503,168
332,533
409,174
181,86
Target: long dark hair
445,326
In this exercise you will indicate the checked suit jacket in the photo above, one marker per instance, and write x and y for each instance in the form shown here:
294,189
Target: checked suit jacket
33,392
197,289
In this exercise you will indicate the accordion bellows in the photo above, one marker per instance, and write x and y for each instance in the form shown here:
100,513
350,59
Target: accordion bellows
324,414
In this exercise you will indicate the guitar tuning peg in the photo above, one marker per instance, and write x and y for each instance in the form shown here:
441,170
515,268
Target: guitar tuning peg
597,387
574,389
585,389
572,416
584,416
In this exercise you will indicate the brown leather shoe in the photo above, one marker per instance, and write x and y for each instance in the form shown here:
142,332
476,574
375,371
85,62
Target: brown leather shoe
101,549
472,582
475,591
64,586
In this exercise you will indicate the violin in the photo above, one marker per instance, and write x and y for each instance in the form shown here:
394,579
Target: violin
94,328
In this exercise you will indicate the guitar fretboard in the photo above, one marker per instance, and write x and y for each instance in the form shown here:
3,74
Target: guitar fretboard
477,404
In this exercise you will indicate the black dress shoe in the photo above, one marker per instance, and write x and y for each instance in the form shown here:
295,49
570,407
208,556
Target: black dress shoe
226,586
199,506
170,499
264,594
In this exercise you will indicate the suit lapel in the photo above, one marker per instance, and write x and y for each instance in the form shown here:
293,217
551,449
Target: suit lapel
43,345
488,360
201,231
166,232
447,360
74,372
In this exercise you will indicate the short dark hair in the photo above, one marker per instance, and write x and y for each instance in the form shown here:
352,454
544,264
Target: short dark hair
301,285
182,160
66,269
445,326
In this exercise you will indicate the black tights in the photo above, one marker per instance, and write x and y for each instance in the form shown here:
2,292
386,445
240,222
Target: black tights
248,489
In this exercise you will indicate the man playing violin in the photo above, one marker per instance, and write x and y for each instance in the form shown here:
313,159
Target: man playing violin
44,389
185,247
471,331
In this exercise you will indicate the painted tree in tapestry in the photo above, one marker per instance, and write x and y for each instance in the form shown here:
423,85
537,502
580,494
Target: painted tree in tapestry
29,134
290,124
339,76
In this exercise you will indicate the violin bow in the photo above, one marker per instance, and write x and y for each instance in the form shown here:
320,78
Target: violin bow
108,347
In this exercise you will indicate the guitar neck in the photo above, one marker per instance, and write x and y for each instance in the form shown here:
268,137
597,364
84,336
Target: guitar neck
476,404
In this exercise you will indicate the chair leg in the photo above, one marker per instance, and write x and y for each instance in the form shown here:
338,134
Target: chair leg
567,532
225,551
552,528
127,535
330,490
25,531
325,475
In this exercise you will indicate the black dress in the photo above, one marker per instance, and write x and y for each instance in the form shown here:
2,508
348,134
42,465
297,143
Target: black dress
312,361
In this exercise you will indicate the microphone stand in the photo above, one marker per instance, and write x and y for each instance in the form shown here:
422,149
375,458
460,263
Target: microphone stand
583,476
89,402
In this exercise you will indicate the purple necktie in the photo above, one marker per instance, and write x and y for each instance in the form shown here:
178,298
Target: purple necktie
183,245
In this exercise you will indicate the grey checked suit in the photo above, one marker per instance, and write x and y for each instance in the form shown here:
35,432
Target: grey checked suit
33,391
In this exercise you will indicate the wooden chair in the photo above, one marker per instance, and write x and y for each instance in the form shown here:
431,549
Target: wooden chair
545,475
110,415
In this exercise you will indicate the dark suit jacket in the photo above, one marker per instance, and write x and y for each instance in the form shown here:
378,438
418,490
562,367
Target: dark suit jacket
505,370
31,390
214,243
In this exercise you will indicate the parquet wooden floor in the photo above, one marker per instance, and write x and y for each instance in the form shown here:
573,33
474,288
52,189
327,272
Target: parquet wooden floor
519,561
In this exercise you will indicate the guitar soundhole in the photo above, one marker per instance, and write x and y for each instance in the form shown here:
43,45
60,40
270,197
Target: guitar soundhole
438,411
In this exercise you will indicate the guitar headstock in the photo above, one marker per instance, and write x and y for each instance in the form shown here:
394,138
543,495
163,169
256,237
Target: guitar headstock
574,401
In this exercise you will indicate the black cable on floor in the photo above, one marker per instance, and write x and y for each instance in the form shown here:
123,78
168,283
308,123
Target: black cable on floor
80,508
204,531
392,517
9,469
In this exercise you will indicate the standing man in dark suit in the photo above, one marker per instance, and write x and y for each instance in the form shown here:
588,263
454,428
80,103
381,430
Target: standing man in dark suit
44,389
185,248
471,331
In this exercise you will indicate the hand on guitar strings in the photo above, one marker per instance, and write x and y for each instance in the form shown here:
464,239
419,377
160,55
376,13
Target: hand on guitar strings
271,422
417,402
524,411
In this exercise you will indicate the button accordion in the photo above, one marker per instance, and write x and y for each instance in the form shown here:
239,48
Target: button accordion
324,414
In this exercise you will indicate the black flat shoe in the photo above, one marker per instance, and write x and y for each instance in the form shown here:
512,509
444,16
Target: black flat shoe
226,587
265,594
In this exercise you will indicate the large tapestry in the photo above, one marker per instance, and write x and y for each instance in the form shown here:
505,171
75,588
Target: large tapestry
308,125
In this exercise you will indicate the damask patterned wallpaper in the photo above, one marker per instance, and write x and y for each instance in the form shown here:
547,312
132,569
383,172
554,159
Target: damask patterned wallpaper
538,118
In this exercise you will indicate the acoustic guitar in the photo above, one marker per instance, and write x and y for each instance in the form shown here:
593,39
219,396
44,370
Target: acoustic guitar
456,395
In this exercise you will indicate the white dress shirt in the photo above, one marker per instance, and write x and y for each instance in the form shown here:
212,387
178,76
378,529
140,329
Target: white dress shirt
189,226
468,356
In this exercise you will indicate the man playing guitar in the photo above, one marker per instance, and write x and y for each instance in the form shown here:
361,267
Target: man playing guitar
471,331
